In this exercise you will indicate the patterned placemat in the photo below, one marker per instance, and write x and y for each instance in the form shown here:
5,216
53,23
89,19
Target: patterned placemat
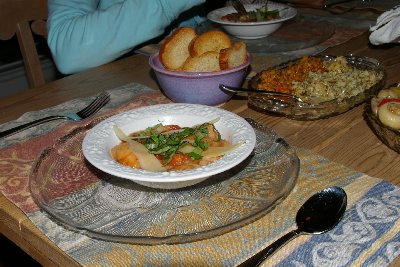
367,236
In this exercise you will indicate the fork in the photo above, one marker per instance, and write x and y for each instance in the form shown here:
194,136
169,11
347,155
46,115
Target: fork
89,110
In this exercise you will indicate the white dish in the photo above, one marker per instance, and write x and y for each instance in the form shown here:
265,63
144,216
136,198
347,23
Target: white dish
252,30
101,138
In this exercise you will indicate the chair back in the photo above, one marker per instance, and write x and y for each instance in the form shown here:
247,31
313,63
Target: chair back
23,18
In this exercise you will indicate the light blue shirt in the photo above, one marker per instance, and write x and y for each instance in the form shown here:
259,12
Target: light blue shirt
87,33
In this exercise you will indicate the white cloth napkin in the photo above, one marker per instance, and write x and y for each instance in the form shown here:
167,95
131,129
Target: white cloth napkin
387,28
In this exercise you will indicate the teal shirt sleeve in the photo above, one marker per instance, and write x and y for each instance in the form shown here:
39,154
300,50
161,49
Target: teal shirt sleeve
87,33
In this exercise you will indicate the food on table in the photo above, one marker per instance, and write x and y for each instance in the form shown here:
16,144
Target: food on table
280,80
386,106
258,15
316,80
174,52
233,56
389,114
213,50
213,40
170,147
208,61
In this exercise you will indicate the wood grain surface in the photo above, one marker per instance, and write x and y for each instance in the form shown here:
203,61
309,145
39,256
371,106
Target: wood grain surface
345,139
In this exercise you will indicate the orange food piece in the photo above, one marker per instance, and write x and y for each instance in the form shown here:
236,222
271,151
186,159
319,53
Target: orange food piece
179,159
280,80
124,155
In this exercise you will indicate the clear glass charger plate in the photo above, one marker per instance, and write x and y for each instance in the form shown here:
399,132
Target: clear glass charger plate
296,110
84,199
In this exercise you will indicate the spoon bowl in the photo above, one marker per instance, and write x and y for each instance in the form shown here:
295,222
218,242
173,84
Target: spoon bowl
319,214
322,211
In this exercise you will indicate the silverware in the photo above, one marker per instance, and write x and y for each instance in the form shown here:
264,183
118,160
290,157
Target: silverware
271,93
238,6
89,110
319,214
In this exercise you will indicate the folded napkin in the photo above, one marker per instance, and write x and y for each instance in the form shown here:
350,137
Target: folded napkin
368,235
387,28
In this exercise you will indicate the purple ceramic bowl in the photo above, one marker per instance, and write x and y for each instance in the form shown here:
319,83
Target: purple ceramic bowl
198,87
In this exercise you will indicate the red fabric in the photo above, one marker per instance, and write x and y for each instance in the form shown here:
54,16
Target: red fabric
17,160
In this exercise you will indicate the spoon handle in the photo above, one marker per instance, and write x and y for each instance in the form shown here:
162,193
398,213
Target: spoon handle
264,92
261,256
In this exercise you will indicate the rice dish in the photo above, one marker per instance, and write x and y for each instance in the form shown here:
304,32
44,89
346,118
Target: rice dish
340,80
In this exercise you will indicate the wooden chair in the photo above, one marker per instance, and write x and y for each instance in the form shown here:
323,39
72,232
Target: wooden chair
23,18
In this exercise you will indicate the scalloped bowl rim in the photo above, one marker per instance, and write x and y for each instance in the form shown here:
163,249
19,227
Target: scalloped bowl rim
101,138
192,75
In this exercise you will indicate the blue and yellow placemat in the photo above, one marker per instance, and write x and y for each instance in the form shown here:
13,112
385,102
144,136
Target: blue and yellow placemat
367,236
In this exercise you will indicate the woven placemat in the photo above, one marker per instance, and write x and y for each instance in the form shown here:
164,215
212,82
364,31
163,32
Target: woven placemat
367,236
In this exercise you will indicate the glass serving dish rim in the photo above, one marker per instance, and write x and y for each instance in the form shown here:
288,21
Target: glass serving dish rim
353,59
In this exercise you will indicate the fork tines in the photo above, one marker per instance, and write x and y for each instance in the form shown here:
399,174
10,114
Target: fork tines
96,105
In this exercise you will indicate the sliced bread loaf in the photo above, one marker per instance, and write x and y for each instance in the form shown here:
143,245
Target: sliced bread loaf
233,56
174,50
208,61
213,40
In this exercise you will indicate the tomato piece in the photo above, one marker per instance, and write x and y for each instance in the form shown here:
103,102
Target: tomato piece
388,100
172,127
179,159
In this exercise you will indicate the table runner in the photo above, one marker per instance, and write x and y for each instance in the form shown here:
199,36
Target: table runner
367,236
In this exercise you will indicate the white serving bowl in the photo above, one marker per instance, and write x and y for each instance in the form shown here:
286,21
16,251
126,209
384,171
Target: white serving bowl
252,30
101,138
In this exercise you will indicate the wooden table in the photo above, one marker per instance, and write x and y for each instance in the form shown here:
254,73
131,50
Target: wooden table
345,139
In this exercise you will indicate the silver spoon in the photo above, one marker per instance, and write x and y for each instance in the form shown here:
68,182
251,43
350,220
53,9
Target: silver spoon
319,214
271,93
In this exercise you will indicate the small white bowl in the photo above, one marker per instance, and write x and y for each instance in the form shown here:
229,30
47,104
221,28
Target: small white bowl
252,30
101,138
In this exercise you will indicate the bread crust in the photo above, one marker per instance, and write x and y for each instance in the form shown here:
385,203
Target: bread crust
174,50
213,40
208,61
233,56
186,51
